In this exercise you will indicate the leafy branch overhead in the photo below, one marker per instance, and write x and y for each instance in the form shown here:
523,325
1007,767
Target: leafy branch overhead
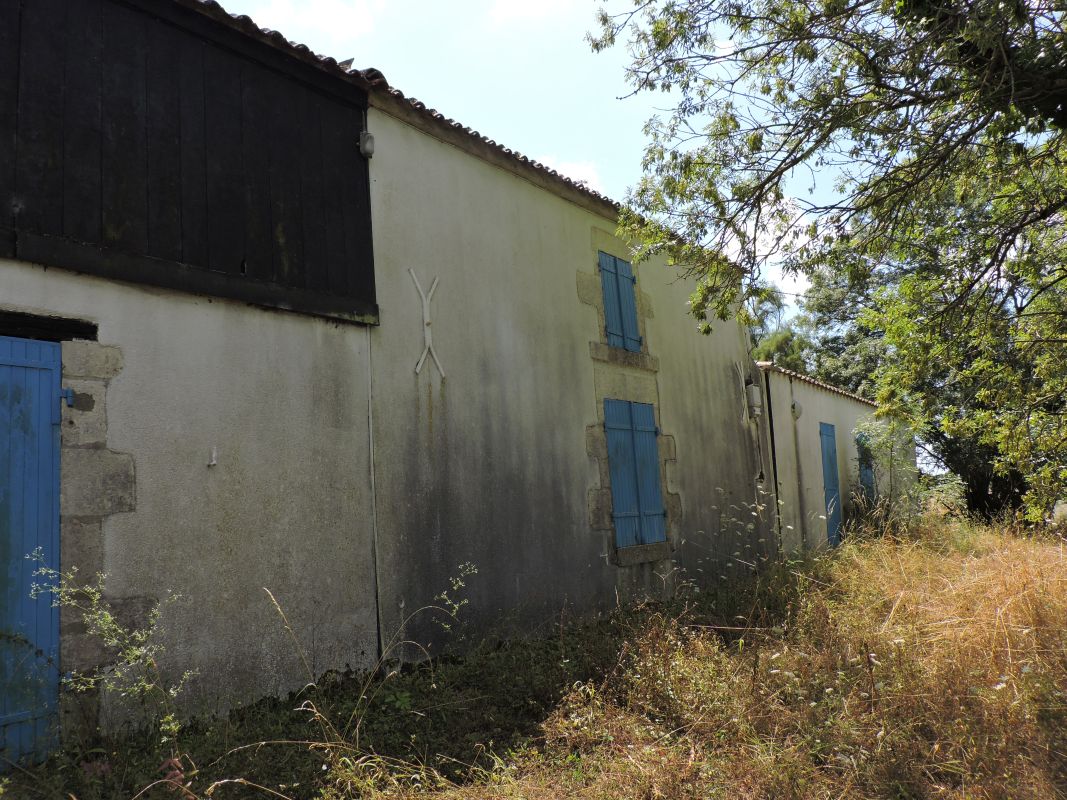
915,147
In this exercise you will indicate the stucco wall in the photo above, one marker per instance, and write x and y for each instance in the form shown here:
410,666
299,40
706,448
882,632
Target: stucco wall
491,464
798,452
500,465
281,400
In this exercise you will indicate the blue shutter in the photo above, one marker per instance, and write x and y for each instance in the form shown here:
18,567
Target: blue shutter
831,484
866,459
633,463
620,303
646,456
612,313
29,519
622,466
628,305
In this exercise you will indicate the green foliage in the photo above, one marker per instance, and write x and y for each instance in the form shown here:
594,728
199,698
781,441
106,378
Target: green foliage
763,314
788,347
942,126
132,680
451,599
890,445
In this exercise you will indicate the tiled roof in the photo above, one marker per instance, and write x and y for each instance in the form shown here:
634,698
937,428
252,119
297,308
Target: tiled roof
373,81
770,366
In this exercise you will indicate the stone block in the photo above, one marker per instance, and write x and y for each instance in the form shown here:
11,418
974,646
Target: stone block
82,359
79,721
668,450
96,482
596,442
132,612
85,422
82,546
599,501
673,503
626,384
589,290
642,554
81,651
599,351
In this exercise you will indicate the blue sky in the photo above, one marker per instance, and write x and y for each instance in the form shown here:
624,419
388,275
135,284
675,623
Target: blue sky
518,71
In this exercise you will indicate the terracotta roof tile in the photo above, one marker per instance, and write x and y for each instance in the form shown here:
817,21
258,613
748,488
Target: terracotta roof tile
770,366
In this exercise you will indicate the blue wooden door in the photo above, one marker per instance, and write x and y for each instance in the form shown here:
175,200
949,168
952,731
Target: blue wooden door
830,482
29,523
633,464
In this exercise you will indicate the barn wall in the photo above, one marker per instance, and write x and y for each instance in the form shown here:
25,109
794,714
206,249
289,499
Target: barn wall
216,448
792,529
281,401
498,463
148,142
799,455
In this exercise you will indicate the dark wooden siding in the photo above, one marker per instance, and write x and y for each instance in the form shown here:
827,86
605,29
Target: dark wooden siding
142,141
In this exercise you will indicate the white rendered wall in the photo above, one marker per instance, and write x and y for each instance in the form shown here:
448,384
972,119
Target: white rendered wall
281,400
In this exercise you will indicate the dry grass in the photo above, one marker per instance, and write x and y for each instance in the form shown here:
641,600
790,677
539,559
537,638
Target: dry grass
932,664
929,666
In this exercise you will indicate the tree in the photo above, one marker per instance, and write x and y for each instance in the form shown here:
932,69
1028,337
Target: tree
943,126
764,314
787,347
847,353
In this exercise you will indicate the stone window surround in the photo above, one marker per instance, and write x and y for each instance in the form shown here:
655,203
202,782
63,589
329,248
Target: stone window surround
621,374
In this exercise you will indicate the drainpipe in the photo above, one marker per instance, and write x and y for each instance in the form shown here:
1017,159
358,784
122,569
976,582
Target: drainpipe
774,462
373,496
803,516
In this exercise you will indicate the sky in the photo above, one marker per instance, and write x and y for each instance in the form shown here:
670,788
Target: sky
520,72
517,71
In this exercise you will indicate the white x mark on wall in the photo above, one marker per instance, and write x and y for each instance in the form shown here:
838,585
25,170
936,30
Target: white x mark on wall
427,349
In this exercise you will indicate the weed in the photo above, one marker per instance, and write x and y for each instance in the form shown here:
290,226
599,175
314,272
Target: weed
931,663
132,678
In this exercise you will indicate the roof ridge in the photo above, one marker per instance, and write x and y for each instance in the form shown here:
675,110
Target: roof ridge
770,366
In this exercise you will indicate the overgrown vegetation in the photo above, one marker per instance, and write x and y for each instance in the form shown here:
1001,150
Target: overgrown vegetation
929,663
912,152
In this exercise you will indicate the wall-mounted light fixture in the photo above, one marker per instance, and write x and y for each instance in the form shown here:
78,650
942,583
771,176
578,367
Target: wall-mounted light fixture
754,397
366,144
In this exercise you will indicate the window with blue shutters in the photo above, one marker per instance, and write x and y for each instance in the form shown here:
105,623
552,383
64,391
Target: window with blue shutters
633,463
620,303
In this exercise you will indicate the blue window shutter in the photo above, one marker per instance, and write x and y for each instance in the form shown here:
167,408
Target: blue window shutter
625,510
831,482
612,312
633,464
646,456
628,305
866,459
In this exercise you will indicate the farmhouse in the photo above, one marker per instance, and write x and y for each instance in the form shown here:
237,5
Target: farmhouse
265,322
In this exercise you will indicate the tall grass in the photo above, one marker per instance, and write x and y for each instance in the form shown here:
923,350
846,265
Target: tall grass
927,664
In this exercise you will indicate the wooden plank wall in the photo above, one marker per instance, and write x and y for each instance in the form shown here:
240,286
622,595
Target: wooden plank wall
144,142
